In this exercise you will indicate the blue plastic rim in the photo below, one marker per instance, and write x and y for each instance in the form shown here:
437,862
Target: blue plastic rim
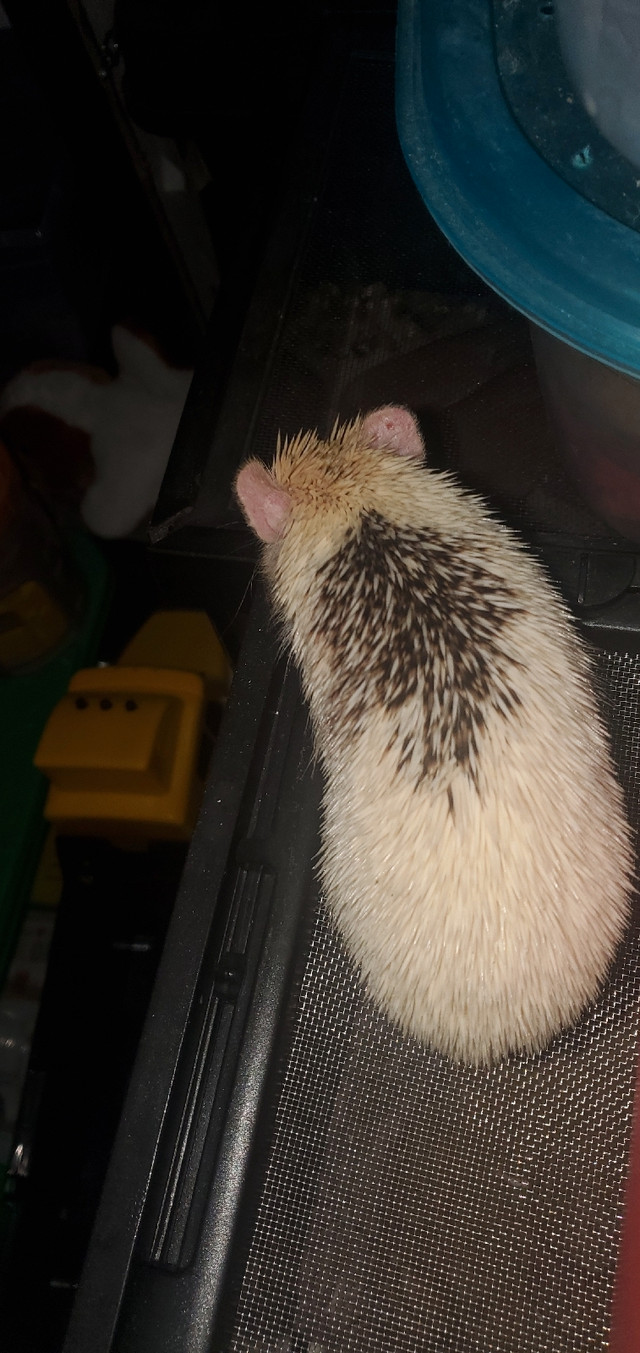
553,255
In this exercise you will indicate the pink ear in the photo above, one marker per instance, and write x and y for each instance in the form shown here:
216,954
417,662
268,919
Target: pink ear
265,505
394,429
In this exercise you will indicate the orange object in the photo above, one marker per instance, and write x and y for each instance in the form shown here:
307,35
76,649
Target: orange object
184,639
41,592
31,624
121,750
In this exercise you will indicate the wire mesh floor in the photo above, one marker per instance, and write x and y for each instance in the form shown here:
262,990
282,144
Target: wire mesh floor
413,1206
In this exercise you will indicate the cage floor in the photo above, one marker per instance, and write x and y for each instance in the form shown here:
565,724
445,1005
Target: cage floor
410,1205
413,1205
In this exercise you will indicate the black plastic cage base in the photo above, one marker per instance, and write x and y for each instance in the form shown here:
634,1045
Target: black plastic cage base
290,1174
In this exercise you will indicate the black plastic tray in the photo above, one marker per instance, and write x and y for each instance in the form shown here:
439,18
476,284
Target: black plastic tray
167,1257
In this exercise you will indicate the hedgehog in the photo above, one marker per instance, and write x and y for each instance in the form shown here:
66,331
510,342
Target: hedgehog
475,854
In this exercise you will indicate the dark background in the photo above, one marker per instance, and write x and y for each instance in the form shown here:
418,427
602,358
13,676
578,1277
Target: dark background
80,250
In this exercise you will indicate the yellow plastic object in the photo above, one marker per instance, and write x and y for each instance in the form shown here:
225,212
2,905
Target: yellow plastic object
183,639
121,751
31,624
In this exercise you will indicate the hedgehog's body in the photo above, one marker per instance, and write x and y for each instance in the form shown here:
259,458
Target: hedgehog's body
475,854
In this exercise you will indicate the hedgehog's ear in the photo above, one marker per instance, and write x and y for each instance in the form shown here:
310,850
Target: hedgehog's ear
265,505
394,429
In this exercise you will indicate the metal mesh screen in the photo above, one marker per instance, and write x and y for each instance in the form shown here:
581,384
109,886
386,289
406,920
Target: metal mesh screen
413,1206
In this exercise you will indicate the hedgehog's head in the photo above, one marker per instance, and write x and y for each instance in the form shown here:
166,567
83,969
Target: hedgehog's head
322,487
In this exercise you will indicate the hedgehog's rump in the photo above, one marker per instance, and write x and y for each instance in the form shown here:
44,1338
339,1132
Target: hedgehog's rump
470,926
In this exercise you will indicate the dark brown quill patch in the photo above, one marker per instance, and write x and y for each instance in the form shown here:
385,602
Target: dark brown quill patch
408,618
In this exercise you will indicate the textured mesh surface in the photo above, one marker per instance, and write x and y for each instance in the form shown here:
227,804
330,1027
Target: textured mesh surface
412,1205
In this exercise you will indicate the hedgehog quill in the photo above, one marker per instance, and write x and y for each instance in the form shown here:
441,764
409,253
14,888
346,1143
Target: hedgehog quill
475,856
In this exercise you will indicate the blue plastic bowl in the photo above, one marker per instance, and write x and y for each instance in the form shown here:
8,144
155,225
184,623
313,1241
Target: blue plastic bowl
566,264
